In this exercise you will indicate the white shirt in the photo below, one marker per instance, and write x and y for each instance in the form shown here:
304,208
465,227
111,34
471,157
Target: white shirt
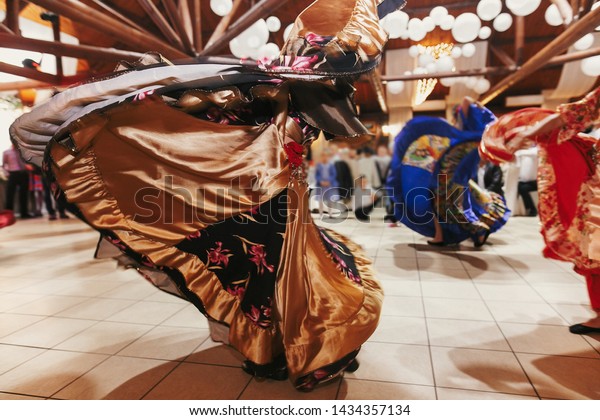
527,161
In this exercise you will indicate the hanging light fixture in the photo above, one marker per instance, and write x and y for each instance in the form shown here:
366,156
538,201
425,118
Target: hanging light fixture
426,86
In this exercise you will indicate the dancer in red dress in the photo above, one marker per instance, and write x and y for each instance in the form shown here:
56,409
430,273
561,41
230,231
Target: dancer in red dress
568,183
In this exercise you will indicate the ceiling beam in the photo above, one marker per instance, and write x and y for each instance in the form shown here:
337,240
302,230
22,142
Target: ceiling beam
519,39
86,15
197,24
561,43
117,15
13,9
177,23
223,24
69,50
161,22
29,73
260,10
502,56
495,71
485,71
24,84
183,7
377,84
5,29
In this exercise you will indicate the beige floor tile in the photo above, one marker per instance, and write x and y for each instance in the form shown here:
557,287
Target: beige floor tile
48,305
471,309
47,373
105,337
189,317
574,314
212,353
447,275
9,284
13,356
395,273
284,390
147,312
463,394
563,293
393,249
400,330
483,370
9,301
401,288
394,363
402,306
467,334
563,377
556,277
47,287
96,308
525,313
356,389
168,343
509,293
160,296
10,323
5,396
191,381
48,332
431,262
409,264
90,288
457,289
134,290
118,378
546,339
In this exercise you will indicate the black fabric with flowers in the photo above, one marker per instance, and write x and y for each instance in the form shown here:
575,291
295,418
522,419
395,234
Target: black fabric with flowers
341,255
236,251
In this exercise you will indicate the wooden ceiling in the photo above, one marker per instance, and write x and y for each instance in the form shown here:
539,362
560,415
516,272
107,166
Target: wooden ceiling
135,13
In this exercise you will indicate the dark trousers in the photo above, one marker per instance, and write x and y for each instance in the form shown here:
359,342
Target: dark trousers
20,180
60,202
525,188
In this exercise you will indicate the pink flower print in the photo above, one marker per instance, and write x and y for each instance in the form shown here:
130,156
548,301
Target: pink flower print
259,258
118,243
320,374
237,291
254,317
218,255
304,62
314,39
194,235
266,310
143,95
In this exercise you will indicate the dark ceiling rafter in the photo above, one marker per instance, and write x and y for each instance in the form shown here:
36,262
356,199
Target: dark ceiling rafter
260,10
177,23
115,13
161,23
110,26
69,50
574,32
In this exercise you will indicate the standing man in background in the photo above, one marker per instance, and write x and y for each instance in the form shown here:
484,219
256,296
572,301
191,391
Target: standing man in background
18,178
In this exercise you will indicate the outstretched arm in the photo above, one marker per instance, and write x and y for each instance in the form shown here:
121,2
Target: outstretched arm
527,134
580,115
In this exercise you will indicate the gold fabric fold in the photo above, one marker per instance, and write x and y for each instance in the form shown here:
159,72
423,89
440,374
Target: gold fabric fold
323,315
152,175
354,24
117,180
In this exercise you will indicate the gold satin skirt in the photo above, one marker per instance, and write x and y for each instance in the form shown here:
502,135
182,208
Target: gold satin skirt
151,177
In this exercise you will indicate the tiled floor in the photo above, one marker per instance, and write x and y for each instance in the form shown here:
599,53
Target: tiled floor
457,323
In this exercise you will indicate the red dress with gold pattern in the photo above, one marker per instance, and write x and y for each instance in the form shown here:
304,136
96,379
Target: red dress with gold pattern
568,183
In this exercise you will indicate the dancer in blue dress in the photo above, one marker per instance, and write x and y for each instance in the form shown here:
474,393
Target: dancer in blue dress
432,178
